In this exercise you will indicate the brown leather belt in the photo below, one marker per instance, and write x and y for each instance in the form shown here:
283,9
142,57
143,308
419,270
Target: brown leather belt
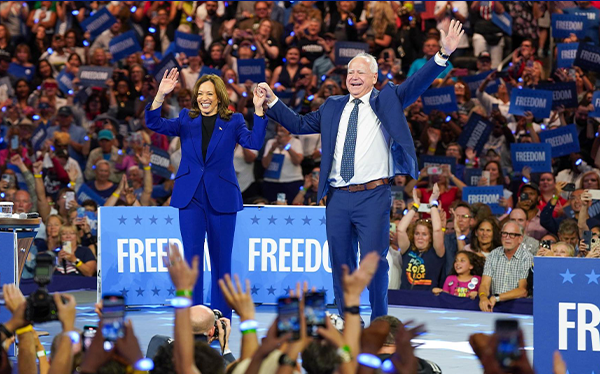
365,186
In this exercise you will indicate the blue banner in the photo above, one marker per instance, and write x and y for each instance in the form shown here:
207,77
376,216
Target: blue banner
86,193
95,76
566,313
472,176
65,81
587,57
160,162
100,21
124,45
38,137
563,93
8,271
566,53
21,71
187,43
474,81
488,195
596,104
565,24
253,70
419,6
442,99
208,70
504,21
426,161
564,140
274,169
538,102
538,156
274,247
345,51
168,62
475,133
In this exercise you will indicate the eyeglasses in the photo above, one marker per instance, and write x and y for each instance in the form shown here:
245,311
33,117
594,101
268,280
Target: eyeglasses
511,235
423,220
466,216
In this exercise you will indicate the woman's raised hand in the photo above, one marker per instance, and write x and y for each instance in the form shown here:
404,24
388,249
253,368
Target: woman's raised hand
168,82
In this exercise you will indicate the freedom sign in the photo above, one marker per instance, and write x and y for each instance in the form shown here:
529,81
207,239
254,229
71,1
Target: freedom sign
65,81
124,45
474,81
566,311
160,163
503,21
187,43
566,53
442,99
94,75
538,102
563,140
168,62
100,21
565,24
274,247
538,156
472,176
345,51
488,195
587,57
475,133
251,69
563,93
596,103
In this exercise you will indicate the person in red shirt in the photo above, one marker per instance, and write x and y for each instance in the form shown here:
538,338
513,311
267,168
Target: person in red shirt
547,191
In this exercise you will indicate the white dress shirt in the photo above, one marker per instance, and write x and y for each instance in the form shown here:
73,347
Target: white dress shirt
372,153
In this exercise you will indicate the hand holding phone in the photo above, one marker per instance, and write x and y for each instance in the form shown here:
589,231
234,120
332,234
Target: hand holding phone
508,350
113,317
315,312
288,320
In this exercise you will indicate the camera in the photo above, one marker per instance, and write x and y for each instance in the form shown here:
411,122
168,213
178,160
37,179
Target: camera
218,315
40,304
524,196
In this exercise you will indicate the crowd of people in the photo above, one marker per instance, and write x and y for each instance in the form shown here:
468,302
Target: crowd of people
65,151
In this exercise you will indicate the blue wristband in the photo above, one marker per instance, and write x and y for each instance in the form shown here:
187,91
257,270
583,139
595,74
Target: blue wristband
369,360
181,302
144,364
388,366
287,147
248,325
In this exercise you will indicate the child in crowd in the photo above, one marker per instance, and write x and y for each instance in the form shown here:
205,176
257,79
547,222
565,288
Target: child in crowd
465,278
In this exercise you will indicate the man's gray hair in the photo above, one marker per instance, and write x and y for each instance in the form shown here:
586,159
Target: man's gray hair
370,59
521,229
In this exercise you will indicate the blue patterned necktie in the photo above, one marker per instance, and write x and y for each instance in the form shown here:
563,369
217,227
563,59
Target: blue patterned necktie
347,169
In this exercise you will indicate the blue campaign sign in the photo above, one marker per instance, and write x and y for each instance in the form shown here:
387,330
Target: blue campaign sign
38,137
187,43
274,169
564,140
274,247
345,51
21,71
566,53
588,57
208,70
538,102
472,176
252,69
419,6
124,45
488,195
504,21
8,271
94,75
168,62
426,161
596,103
538,156
565,24
86,193
65,81
566,311
100,21
563,93
442,99
160,162
475,133
474,81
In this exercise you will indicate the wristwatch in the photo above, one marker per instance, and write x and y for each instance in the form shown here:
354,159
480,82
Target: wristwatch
443,55
497,297
352,309
285,360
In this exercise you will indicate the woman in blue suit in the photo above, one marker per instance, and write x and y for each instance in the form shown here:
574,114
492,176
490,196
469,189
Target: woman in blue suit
206,189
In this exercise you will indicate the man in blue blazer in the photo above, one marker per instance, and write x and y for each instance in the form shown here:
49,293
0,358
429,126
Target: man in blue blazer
365,141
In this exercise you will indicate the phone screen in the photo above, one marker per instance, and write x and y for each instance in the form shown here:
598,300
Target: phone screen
88,334
289,317
315,312
508,350
113,316
69,197
14,142
587,238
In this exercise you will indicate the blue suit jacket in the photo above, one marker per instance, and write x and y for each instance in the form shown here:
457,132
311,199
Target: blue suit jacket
388,105
219,175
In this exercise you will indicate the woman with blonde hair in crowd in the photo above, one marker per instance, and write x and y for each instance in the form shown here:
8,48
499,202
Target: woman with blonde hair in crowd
382,28
74,259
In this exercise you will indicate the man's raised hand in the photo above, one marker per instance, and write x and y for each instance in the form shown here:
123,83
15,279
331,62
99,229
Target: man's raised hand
268,91
450,40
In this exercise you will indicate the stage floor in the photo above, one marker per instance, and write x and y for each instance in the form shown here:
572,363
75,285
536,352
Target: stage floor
446,341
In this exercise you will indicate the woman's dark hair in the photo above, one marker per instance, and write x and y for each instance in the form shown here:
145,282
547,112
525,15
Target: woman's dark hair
222,97
477,261
103,102
500,172
78,57
38,70
19,81
496,238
